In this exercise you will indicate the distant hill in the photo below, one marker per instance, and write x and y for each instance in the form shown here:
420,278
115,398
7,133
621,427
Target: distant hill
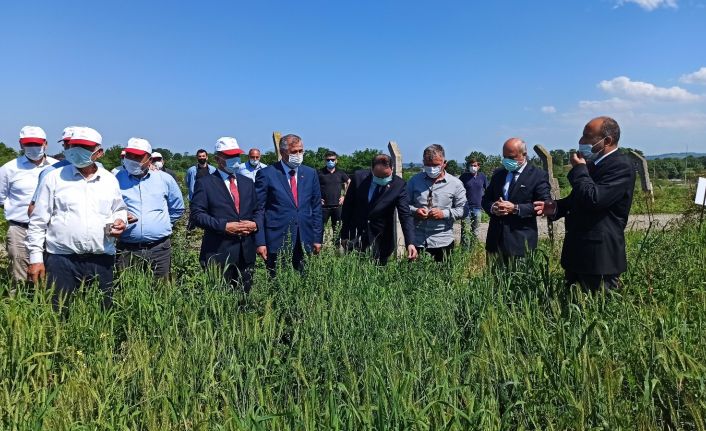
675,156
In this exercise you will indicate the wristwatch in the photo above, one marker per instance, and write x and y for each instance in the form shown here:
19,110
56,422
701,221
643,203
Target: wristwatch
516,210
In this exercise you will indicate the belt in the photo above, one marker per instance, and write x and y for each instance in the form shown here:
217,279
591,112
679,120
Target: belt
141,245
17,223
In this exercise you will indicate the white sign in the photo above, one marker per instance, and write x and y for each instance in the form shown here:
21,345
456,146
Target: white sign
700,191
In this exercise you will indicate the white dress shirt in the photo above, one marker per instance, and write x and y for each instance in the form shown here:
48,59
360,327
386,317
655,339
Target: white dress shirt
18,180
71,214
604,156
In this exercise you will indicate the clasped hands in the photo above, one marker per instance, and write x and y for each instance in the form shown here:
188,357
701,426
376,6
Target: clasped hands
241,228
429,213
502,208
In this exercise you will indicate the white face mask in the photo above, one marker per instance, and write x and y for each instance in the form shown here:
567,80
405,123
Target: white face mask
34,153
433,171
158,165
295,160
473,169
254,163
134,168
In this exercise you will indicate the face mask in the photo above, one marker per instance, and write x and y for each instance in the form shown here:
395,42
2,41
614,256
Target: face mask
158,165
382,181
330,164
34,153
511,164
254,163
232,165
79,157
473,169
203,162
295,160
133,167
586,150
433,171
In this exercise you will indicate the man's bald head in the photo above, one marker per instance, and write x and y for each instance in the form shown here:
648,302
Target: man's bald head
515,148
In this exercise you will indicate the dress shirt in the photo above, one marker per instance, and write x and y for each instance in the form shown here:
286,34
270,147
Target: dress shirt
71,213
508,180
18,180
156,201
226,179
604,156
449,195
286,171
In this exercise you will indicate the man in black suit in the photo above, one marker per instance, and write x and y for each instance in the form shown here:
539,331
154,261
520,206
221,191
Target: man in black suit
596,210
225,205
368,211
509,202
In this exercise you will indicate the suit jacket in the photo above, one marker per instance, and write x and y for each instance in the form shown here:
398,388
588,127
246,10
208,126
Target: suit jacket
596,214
282,218
513,234
212,207
373,222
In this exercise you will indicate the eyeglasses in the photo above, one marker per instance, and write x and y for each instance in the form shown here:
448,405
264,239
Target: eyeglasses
330,160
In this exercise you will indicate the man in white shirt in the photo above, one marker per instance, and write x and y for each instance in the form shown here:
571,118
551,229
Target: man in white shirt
18,179
78,214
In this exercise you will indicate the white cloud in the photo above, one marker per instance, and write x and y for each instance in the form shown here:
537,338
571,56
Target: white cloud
650,5
698,77
548,109
624,86
614,104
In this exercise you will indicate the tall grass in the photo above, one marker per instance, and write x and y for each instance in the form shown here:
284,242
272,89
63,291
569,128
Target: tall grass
353,346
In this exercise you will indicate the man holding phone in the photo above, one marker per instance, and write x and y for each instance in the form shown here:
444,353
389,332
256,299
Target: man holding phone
78,214
154,202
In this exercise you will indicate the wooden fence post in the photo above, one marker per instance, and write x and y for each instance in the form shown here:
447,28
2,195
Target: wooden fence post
396,156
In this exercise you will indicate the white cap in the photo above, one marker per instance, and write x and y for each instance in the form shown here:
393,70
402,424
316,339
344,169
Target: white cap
32,135
138,146
86,136
157,155
228,146
67,133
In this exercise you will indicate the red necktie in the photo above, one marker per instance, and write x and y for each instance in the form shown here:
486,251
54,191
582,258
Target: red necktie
293,185
234,193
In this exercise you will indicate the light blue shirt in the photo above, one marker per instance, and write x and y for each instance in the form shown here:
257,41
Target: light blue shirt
247,170
156,201
191,178
508,180
286,171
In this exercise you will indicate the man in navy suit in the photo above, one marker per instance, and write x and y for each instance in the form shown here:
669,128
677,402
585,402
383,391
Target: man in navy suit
290,201
225,205
509,202
369,209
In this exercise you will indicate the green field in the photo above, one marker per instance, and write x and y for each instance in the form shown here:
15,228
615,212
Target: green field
353,346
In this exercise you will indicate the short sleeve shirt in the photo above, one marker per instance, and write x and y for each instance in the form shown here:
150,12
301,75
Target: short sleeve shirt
331,185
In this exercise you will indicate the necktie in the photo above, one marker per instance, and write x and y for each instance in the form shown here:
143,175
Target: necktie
293,185
377,191
234,193
512,183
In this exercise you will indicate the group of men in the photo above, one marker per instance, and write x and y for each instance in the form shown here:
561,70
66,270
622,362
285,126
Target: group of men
69,219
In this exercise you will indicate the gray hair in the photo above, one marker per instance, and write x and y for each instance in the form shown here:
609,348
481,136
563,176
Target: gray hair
285,140
432,151
610,128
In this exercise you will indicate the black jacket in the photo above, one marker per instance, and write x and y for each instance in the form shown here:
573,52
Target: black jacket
373,222
513,234
212,207
596,214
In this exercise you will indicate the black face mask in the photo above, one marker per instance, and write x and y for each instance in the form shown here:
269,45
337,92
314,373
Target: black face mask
203,162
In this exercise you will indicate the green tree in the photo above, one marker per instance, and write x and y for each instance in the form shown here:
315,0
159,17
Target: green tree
6,153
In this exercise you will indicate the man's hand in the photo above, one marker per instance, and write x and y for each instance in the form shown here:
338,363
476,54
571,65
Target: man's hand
577,159
317,248
436,214
546,208
412,252
117,228
36,272
340,200
131,218
262,252
421,213
244,228
501,208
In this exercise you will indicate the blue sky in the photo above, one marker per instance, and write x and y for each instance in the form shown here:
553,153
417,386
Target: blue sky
351,75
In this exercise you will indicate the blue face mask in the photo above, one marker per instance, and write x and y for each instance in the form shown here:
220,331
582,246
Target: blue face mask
232,165
382,181
79,157
511,164
330,164
586,150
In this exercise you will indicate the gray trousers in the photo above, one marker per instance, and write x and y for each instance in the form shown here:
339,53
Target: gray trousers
157,257
17,251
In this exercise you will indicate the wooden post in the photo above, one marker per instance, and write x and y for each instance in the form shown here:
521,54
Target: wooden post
644,172
276,136
548,165
396,156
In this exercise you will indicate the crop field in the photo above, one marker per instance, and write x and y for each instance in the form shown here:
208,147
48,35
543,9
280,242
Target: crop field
349,345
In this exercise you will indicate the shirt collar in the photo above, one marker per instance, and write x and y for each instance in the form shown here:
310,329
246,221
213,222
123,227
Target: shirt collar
604,156
225,175
96,176
287,168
